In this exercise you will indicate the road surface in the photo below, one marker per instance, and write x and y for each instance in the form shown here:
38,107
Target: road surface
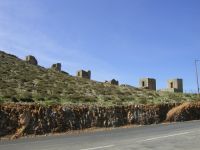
175,136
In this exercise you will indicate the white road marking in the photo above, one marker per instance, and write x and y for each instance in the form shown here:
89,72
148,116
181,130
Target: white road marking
100,147
166,136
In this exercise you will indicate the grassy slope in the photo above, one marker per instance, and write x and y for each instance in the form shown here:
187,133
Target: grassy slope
20,81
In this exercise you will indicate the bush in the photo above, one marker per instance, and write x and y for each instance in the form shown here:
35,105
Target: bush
26,97
14,99
143,101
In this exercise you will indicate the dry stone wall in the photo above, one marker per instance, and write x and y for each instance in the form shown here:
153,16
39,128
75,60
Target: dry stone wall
20,119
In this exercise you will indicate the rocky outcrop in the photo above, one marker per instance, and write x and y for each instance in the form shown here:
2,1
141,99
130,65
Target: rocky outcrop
20,119
23,122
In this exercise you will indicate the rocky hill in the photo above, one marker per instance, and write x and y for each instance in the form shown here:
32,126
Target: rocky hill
23,82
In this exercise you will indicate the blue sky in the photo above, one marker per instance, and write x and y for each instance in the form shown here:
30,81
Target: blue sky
121,39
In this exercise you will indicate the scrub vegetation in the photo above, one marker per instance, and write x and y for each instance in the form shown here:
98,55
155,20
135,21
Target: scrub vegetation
23,82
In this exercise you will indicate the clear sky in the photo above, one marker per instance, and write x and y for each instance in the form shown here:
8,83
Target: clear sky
121,39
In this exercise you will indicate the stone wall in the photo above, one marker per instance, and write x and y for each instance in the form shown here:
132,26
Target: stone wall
19,119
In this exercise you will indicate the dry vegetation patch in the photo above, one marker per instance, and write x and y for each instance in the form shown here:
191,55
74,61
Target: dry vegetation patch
23,82
184,112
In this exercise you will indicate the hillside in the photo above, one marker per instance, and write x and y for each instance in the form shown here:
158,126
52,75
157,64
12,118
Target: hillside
20,81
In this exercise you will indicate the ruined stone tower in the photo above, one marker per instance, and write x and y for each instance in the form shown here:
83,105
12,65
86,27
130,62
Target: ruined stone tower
84,74
31,59
148,83
175,85
56,67
113,82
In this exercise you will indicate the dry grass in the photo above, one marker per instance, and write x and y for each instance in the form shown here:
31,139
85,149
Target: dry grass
184,112
22,82
177,111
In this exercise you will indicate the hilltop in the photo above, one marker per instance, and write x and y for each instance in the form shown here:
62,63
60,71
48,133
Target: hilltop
23,82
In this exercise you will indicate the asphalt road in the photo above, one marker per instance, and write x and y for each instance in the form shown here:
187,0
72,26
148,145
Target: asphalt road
175,136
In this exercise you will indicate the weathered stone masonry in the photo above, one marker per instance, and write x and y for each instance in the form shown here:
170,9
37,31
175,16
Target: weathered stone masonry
56,67
84,74
32,60
113,82
174,85
148,83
